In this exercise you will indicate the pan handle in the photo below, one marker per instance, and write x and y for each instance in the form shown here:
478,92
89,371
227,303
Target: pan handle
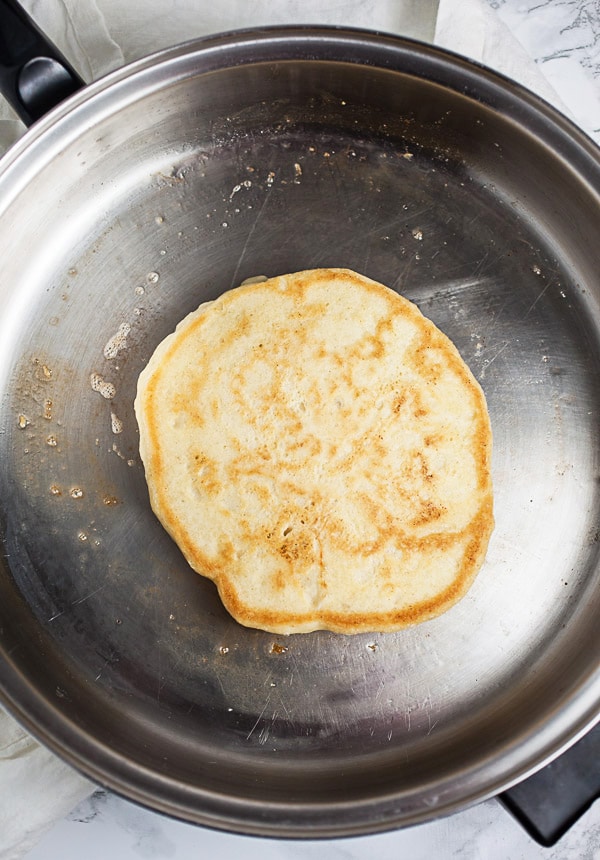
34,75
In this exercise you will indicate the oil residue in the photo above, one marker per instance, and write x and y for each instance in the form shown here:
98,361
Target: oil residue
99,384
116,423
276,648
117,342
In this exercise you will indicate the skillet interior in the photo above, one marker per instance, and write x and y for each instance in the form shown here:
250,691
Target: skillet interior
156,190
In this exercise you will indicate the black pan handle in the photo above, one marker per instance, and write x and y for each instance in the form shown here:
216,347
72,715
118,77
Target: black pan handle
548,803
34,75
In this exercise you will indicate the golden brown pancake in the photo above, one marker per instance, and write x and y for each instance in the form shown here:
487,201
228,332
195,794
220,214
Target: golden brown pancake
320,450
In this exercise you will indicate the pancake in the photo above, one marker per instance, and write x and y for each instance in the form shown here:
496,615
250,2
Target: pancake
321,451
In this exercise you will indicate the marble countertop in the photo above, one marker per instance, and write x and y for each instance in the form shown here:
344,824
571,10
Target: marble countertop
107,826
563,36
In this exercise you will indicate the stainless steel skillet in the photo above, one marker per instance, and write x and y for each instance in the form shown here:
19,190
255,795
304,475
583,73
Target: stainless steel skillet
159,187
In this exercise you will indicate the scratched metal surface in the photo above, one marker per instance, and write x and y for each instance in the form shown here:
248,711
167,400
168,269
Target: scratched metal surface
161,189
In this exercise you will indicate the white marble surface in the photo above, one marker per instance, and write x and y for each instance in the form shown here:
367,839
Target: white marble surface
106,826
563,36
